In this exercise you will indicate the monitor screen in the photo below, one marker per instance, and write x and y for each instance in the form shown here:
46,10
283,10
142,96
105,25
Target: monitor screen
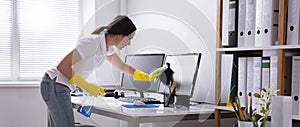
146,63
185,67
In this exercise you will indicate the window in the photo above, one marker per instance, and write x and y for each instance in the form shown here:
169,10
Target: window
5,38
34,34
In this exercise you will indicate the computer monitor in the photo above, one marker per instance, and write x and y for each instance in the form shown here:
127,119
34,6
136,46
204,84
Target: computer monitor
146,63
185,67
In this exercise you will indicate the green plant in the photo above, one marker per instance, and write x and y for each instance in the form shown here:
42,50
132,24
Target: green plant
264,106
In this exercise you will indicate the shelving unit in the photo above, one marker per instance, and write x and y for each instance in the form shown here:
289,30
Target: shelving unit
277,47
225,108
281,49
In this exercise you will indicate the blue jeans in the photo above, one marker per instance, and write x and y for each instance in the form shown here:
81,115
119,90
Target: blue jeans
58,100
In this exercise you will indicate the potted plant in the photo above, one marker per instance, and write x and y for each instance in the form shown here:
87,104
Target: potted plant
260,116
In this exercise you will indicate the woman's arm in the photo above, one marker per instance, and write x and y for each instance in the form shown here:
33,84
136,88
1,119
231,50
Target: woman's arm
65,66
119,64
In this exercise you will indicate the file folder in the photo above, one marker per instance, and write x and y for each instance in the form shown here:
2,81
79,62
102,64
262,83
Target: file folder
273,72
288,76
296,84
233,23
234,78
265,72
293,30
266,22
272,57
226,66
250,71
256,79
225,17
275,22
241,23
230,19
270,22
242,81
250,23
259,23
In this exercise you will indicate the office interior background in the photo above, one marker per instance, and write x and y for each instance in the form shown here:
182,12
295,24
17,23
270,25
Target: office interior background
187,26
163,26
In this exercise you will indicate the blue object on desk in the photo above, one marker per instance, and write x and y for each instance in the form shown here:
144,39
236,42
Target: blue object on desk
142,106
85,110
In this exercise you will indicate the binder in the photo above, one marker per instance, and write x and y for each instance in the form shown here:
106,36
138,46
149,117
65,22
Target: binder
242,81
226,66
296,84
266,22
275,22
230,19
234,78
241,23
270,22
273,72
271,56
275,31
250,23
259,23
288,76
250,71
233,23
256,79
225,18
293,30
265,83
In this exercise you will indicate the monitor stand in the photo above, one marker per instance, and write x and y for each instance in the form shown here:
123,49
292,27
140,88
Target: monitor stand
141,94
137,94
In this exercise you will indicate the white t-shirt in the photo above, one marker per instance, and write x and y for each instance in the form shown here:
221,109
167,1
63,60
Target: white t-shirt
92,50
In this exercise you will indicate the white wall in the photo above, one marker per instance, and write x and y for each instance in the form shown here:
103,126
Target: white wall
163,26
22,107
178,26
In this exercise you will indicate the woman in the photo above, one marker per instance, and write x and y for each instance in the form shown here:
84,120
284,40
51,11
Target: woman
88,55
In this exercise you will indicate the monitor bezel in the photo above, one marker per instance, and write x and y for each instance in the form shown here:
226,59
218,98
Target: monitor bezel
151,54
196,71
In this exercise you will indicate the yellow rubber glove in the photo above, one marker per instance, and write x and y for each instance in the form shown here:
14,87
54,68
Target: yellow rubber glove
89,87
139,75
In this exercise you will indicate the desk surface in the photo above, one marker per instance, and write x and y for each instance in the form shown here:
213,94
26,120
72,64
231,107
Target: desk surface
110,107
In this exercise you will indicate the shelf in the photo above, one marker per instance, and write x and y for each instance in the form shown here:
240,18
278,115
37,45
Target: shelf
281,50
260,48
295,117
226,108
291,47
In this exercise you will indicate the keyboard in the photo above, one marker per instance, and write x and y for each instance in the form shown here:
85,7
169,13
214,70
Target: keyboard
145,100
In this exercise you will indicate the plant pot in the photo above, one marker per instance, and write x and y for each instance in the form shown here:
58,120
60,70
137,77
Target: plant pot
245,124
250,124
